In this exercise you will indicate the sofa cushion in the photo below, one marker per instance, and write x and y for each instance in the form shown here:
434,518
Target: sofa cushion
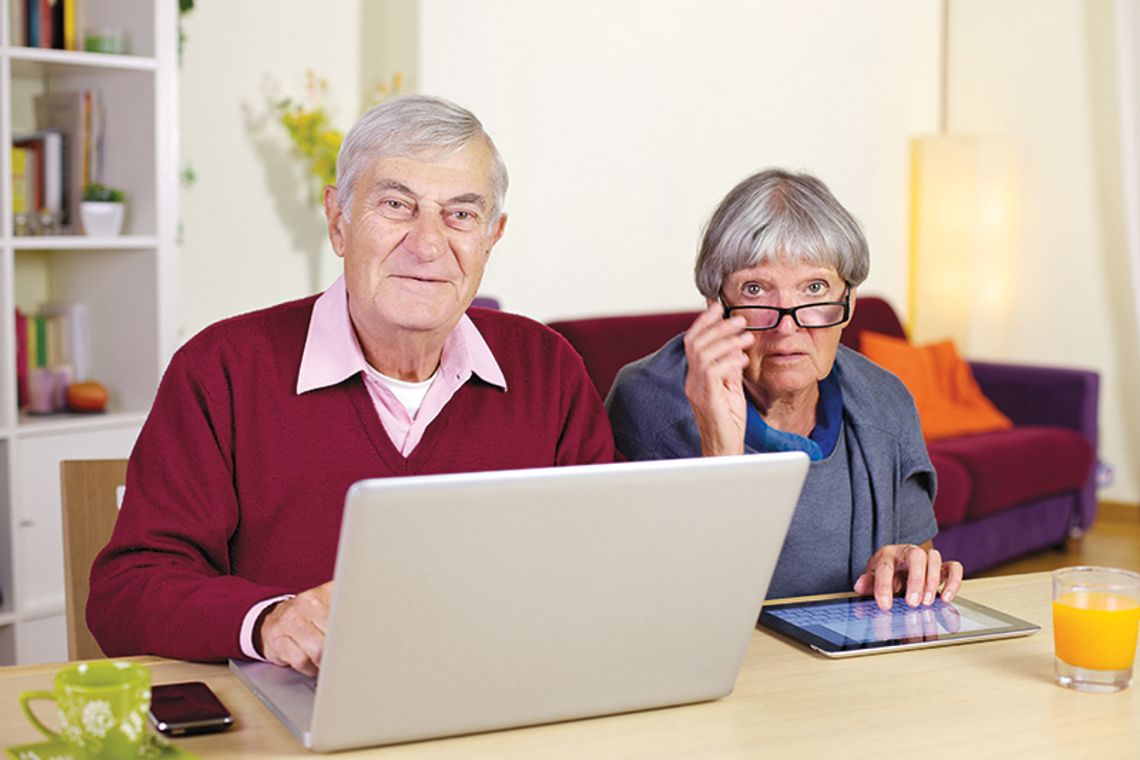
954,487
949,401
606,344
1009,467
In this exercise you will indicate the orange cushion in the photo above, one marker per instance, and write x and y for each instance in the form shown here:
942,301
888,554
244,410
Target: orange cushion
948,398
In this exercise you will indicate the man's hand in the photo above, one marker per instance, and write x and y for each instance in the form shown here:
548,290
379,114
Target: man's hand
714,384
921,569
293,633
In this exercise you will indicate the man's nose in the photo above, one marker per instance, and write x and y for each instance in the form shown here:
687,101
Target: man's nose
426,239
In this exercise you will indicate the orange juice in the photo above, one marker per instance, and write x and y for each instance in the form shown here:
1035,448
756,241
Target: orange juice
1096,629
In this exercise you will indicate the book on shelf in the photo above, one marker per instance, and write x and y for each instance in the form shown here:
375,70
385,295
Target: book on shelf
45,154
23,180
56,338
78,116
47,23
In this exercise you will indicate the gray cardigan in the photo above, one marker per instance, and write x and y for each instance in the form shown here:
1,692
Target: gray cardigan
876,488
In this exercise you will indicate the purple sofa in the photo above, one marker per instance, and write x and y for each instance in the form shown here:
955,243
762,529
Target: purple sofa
1001,494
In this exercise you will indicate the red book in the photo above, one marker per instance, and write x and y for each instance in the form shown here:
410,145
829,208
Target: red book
21,359
45,23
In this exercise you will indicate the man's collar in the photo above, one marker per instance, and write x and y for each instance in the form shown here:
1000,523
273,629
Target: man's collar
332,352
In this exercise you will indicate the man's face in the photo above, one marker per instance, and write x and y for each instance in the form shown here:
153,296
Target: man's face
417,243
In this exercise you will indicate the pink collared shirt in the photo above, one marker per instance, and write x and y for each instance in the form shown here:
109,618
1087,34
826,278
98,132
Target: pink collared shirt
332,354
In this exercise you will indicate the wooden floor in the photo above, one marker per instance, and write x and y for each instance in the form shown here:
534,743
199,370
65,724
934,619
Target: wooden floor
1113,541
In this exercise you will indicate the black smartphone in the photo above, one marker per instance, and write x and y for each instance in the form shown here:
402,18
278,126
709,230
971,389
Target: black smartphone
177,709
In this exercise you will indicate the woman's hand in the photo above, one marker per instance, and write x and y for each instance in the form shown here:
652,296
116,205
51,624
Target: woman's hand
714,383
920,568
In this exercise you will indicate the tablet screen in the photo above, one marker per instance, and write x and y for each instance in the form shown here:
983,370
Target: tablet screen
857,626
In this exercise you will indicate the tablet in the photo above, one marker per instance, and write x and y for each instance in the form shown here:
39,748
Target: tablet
855,625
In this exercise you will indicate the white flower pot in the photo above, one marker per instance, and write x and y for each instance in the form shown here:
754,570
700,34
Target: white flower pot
101,219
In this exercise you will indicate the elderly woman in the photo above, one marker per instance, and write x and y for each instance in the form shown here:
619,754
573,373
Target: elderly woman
762,370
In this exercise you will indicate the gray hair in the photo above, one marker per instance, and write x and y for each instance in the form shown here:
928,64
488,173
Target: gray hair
410,126
776,215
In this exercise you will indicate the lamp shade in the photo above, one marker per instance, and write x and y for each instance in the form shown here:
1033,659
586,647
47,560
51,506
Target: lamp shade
961,241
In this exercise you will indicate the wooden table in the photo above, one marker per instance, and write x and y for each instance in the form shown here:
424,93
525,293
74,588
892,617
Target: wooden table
989,699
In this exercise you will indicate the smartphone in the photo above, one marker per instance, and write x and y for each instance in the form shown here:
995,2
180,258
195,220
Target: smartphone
177,709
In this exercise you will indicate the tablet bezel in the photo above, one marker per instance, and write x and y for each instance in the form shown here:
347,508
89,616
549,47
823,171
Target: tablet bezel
1012,627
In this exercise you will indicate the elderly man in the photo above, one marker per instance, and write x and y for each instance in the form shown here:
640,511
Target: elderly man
227,537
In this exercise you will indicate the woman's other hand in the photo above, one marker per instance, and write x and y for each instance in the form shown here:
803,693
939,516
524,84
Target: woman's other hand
919,569
714,382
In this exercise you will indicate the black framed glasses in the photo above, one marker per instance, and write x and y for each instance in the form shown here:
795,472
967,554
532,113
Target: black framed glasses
811,316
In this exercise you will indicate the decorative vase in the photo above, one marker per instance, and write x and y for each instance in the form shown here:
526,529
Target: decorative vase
101,218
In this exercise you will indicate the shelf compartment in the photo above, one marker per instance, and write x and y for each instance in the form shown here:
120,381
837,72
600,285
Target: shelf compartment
117,288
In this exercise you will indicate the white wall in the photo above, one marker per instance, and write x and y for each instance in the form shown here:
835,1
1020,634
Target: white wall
1040,73
250,238
624,123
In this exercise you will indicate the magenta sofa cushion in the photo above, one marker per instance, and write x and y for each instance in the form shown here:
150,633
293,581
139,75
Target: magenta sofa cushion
1010,467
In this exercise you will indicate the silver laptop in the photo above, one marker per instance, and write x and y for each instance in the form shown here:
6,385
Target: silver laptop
473,602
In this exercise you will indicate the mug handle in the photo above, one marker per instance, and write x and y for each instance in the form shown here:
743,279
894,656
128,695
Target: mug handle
28,696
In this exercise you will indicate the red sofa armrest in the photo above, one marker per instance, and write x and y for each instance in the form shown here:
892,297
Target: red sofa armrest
1037,395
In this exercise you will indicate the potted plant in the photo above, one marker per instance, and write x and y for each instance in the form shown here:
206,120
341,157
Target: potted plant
101,211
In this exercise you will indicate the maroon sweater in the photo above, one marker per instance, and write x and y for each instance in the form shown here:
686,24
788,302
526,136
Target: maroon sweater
236,485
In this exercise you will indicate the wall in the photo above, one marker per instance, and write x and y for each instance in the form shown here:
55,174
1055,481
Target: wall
250,237
1040,74
623,124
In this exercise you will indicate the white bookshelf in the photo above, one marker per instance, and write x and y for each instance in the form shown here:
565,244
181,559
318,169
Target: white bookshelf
127,285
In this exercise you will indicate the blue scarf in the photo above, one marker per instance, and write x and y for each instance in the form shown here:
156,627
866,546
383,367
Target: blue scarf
819,443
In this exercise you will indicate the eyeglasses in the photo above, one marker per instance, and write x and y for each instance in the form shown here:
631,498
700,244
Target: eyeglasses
811,316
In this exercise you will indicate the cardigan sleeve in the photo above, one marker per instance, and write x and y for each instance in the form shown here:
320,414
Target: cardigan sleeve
163,585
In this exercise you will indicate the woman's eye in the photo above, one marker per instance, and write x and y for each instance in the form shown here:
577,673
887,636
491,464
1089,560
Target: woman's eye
817,288
752,289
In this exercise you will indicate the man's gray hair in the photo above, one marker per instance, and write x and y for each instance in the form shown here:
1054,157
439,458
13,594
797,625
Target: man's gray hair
776,215
413,125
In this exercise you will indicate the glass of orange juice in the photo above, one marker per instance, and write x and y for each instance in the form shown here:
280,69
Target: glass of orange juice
1096,616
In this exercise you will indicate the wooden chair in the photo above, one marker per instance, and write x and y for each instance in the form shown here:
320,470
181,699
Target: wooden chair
90,507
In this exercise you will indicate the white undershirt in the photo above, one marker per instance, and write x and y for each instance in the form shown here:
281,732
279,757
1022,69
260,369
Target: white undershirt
410,395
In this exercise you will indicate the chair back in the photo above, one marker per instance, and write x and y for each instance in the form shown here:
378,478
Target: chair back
90,508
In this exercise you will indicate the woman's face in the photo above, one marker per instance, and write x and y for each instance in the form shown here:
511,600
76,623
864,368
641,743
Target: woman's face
787,359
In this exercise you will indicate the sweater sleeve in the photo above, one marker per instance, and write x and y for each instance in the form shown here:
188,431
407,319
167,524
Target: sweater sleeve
163,584
586,437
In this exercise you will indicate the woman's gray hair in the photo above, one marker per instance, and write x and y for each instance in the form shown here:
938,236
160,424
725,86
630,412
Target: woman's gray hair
776,215
411,126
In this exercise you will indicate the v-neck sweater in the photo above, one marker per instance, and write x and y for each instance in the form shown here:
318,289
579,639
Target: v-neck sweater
235,488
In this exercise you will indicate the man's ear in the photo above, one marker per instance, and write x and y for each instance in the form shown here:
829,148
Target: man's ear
497,231
334,217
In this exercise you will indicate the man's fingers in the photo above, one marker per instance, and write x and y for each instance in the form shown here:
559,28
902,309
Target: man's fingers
293,633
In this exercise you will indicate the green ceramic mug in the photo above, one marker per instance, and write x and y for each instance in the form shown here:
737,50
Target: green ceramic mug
103,708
